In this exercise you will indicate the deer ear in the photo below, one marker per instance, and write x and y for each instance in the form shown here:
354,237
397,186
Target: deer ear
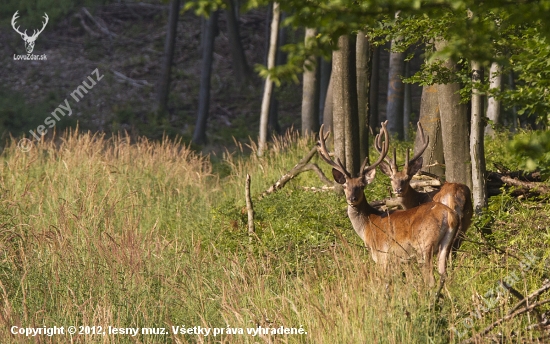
385,168
369,176
415,166
338,176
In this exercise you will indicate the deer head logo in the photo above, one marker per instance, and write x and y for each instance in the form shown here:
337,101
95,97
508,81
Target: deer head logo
29,40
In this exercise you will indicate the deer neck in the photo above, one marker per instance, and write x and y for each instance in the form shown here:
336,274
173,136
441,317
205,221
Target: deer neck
412,198
359,216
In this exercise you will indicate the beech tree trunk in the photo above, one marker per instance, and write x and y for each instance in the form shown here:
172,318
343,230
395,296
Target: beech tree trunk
363,59
325,68
493,105
454,129
199,136
240,65
431,122
512,86
407,103
268,89
374,119
345,118
164,82
280,59
310,94
328,112
477,151
394,112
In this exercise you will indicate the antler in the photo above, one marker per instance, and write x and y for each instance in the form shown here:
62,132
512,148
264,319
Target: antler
377,146
383,151
424,140
322,149
13,20
35,33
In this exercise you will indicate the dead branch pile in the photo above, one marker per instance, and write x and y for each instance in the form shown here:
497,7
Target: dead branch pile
519,183
525,305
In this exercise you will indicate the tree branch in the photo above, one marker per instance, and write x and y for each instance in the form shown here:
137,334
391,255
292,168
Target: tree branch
249,207
534,294
302,166
488,329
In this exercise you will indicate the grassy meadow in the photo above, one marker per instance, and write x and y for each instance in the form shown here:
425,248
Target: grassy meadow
103,232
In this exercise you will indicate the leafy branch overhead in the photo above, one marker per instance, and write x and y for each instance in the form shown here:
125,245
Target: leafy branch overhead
513,34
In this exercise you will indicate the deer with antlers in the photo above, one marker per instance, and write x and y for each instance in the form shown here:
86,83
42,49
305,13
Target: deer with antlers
29,40
418,233
454,195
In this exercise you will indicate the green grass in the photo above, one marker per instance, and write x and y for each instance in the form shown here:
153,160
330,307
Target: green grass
104,232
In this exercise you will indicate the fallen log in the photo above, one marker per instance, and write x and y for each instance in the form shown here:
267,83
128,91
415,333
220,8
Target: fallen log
521,182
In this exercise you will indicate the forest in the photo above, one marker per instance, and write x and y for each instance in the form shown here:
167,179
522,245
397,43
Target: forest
216,171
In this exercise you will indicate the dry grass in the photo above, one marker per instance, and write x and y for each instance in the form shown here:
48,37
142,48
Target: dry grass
104,232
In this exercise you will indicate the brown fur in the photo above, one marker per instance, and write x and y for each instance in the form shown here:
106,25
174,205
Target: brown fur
418,233
454,195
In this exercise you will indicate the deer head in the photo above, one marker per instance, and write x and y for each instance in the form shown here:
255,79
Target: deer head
400,179
353,186
29,40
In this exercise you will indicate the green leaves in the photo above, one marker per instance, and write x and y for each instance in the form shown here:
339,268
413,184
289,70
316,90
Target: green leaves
533,149
203,7
530,62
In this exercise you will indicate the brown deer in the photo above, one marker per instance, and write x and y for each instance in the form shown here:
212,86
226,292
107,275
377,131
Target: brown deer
454,195
420,232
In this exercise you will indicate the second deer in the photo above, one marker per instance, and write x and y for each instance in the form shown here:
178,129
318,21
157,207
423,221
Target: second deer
417,233
454,195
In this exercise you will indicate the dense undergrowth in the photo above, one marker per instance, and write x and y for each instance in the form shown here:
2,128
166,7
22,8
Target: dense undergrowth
104,232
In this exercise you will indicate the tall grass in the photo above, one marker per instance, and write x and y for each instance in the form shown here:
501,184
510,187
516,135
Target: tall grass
108,232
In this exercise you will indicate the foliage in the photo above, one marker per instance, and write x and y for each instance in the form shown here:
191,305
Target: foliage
533,150
519,49
529,62
472,29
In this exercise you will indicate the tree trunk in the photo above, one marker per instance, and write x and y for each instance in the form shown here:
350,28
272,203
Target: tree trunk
477,151
268,89
363,59
493,105
374,119
454,129
328,112
394,112
280,59
169,44
240,66
338,110
407,103
310,94
512,86
431,122
325,68
345,119
199,136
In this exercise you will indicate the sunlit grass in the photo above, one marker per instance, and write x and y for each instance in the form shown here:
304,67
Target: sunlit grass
108,232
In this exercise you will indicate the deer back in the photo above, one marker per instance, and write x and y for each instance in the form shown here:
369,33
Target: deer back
418,232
